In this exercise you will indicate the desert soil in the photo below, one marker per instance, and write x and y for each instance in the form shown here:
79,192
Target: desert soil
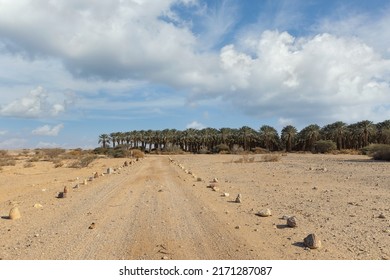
154,209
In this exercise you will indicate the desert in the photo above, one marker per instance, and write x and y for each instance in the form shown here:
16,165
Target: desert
182,207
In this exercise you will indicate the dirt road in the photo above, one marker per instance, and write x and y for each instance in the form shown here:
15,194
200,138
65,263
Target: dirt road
148,211
153,209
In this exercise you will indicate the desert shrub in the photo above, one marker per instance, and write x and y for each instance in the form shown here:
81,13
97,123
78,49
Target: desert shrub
3,153
172,149
52,153
324,146
259,150
377,151
221,148
28,165
245,159
137,153
35,158
7,161
203,151
270,158
236,149
83,162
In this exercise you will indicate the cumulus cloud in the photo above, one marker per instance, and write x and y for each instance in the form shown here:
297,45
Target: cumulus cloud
36,104
48,130
324,76
196,125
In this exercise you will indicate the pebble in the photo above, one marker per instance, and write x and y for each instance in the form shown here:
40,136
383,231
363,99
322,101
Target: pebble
14,213
292,222
382,216
312,241
238,198
264,213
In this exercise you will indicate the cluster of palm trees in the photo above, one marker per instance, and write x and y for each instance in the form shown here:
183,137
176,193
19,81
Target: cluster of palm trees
352,136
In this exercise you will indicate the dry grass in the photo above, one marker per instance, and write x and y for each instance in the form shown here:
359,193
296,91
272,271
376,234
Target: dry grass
270,158
245,159
6,159
83,162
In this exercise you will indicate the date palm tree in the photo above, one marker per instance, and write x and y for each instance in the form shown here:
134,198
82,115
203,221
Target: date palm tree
105,140
269,137
288,136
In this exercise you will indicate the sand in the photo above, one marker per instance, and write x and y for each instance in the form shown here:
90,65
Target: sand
153,209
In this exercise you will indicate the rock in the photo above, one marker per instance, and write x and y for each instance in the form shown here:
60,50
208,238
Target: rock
109,170
90,179
312,241
38,206
14,213
92,226
126,163
264,213
225,194
85,182
199,179
76,186
215,180
382,216
238,198
65,189
215,188
96,175
237,227
292,222
285,217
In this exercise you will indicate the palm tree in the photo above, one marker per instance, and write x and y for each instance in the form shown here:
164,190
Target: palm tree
308,136
336,132
288,136
104,139
367,130
269,136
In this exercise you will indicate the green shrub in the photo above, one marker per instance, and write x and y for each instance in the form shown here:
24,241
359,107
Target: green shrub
324,146
378,151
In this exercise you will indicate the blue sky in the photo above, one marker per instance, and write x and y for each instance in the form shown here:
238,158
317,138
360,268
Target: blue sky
71,70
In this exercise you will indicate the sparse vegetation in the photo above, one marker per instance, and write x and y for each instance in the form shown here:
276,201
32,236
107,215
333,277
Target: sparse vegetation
324,146
6,159
270,158
83,162
378,151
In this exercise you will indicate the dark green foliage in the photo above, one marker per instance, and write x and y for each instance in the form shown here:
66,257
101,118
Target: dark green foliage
324,146
378,151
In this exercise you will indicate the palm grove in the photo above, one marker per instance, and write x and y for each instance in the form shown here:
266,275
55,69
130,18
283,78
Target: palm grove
338,135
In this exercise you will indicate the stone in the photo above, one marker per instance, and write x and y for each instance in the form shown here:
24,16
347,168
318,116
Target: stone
312,241
264,213
382,216
109,170
292,222
215,188
38,206
215,180
14,213
199,179
65,189
85,182
92,226
96,175
225,194
238,198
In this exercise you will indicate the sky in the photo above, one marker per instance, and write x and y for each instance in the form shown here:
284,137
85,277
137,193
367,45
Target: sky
71,70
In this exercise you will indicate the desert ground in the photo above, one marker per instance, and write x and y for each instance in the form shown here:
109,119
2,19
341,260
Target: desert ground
162,207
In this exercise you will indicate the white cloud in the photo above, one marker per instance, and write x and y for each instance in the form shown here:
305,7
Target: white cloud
3,132
13,143
324,77
36,104
196,125
48,130
47,145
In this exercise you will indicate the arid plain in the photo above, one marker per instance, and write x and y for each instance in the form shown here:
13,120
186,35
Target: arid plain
162,207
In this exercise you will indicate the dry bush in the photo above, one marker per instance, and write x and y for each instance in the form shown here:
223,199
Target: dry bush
378,151
35,158
245,159
52,153
259,150
270,158
137,153
83,162
28,165
58,163
6,159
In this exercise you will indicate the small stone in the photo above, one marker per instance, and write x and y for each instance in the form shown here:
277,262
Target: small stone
312,241
92,226
76,186
65,189
237,227
14,213
238,198
382,216
96,175
109,170
38,206
199,179
225,194
264,213
85,182
215,188
292,222
215,180
285,217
